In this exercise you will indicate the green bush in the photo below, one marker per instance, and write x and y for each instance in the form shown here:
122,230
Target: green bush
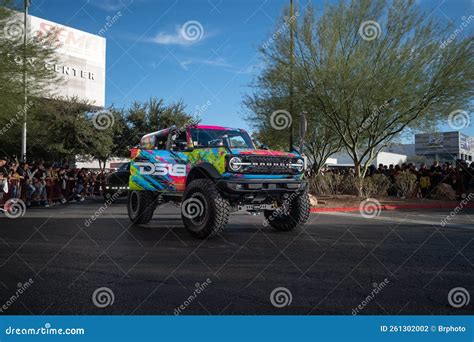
376,186
327,184
349,185
331,184
406,184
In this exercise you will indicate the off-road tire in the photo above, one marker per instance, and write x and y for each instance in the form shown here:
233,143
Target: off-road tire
296,216
141,206
215,210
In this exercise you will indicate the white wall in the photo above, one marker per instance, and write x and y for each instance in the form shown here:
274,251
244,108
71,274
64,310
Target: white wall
385,158
331,161
388,158
90,163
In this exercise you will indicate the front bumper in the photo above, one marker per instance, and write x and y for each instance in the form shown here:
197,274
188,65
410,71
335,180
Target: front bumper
260,187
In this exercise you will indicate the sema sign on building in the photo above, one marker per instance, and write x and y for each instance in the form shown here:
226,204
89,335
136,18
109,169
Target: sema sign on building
80,60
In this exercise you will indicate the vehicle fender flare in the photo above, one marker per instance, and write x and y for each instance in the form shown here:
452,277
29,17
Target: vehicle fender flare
203,170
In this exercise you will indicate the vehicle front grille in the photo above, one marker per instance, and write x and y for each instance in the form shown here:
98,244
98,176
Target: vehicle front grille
269,165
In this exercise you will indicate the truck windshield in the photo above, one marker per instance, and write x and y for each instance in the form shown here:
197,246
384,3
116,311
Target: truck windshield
216,138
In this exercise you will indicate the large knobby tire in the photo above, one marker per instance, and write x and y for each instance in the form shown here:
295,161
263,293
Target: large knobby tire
296,215
141,206
204,211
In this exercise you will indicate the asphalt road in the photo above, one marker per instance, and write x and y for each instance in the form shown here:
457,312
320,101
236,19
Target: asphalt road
332,266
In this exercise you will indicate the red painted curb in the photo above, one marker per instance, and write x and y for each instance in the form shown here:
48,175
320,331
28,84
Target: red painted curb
320,210
395,207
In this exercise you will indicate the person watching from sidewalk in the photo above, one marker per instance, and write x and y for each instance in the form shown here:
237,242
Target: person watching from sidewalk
28,175
3,177
40,185
15,180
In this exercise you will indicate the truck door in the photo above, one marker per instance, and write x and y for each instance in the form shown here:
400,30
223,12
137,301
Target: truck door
156,167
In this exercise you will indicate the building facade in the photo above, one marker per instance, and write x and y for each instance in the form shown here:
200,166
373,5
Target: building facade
441,146
80,60
445,146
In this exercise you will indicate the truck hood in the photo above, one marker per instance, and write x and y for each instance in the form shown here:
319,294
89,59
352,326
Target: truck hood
263,152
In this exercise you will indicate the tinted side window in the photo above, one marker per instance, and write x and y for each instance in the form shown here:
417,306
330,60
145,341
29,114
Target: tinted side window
160,142
124,168
179,143
147,142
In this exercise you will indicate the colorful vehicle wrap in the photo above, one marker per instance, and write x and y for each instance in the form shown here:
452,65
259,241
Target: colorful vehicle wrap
167,171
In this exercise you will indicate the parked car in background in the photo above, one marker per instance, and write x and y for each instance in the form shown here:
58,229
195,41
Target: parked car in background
117,182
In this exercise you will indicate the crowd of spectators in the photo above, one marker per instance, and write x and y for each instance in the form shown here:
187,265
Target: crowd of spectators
41,184
459,175
46,185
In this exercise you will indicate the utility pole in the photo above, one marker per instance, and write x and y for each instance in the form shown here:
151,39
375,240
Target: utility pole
292,62
25,104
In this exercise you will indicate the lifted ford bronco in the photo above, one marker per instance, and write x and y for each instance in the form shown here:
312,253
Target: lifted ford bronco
214,171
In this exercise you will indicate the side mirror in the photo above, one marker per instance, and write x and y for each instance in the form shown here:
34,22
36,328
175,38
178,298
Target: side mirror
264,147
303,129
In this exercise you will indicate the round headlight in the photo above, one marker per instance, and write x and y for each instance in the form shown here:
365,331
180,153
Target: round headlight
300,165
235,163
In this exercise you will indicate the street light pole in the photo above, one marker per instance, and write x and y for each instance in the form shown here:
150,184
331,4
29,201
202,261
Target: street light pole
25,94
292,61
